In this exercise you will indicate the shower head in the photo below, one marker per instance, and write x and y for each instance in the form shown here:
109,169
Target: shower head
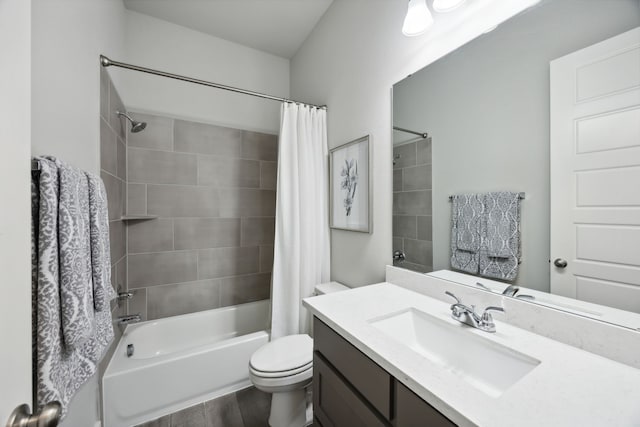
135,126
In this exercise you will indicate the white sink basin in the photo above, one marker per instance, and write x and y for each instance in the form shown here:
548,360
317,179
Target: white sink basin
490,367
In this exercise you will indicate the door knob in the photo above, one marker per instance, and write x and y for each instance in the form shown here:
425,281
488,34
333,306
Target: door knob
49,416
560,263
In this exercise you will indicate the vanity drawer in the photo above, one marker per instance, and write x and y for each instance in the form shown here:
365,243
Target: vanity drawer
373,382
412,411
336,403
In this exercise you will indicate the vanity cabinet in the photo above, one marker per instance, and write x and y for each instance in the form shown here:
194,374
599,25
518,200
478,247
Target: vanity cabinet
351,390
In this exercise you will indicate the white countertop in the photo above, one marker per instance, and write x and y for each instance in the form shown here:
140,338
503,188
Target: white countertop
570,387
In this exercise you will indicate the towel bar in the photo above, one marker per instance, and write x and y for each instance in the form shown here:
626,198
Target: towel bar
520,196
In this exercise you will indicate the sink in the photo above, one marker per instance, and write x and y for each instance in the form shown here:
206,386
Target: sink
488,366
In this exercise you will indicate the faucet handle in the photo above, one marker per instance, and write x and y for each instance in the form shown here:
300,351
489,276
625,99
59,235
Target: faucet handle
486,315
453,296
486,321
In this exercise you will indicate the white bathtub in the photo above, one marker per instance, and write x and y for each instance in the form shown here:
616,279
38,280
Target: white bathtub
180,361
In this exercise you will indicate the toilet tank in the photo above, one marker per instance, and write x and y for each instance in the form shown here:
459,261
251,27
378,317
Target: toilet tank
330,287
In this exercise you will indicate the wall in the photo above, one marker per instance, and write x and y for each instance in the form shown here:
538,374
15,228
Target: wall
213,190
15,247
349,62
487,108
168,47
67,38
412,219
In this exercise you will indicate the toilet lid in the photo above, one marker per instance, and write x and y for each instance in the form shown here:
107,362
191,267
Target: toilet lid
283,354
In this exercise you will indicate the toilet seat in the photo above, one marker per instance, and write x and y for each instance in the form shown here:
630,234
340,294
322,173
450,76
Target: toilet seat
280,374
283,356
283,364
298,380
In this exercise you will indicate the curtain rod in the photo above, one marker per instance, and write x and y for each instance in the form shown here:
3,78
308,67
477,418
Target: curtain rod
106,62
423,135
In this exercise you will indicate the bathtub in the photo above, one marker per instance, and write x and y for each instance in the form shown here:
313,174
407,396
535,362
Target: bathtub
181,361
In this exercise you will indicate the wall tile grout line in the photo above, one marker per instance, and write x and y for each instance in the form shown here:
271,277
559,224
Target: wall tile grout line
207,155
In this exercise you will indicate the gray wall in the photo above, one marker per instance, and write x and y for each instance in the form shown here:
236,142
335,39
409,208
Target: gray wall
213,190
486,107
412,204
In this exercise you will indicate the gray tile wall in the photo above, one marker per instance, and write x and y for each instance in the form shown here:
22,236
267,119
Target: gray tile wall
113,172
412,229
213,190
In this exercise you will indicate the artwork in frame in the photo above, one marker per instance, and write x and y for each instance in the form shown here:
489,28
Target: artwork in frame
350,186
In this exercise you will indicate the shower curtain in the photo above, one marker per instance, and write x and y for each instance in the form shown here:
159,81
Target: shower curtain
301,251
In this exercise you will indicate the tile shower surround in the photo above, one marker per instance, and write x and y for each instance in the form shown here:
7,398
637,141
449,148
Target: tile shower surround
213,190
412,185
113,172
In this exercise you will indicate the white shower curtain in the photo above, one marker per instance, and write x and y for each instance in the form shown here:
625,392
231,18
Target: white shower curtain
301,251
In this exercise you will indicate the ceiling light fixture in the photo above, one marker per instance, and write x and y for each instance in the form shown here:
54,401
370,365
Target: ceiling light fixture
418,18
446,5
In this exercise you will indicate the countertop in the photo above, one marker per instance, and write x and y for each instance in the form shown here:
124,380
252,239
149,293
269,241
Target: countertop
570,387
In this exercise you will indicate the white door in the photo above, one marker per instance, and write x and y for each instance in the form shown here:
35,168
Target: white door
595,173
15,214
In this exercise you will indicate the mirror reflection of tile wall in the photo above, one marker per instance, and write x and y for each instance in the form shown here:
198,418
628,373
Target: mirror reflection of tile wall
412,229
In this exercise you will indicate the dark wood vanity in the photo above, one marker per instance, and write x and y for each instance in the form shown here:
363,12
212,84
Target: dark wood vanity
351,390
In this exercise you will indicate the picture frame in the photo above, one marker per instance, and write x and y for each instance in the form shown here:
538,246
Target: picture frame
350,186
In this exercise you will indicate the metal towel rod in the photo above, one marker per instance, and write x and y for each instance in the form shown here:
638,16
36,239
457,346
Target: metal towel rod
520,196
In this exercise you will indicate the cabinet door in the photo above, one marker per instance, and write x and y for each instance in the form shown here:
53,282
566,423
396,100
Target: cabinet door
335,403
412,411
371,381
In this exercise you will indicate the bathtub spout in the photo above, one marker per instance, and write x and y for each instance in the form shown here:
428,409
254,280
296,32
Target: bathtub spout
123,321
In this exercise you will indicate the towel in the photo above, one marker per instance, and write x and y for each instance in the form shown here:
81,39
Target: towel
103,291
500,231
502,213
60,370
465,232
76,280
468,212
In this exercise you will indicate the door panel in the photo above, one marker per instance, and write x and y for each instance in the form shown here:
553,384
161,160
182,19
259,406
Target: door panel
595,172
15,215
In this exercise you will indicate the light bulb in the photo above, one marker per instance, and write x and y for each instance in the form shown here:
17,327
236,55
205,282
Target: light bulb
418,18
446,5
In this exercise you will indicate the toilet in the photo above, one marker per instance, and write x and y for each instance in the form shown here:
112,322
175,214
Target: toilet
284,368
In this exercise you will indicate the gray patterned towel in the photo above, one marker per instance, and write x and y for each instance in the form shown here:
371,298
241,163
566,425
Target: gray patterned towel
76,280
467,210
502,212
103,291
59,370
500,230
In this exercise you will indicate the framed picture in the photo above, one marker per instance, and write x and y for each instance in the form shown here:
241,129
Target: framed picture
350,186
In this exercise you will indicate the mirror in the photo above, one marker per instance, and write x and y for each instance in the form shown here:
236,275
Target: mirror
499,118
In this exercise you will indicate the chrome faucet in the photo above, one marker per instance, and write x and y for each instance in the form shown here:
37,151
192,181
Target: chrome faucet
511,291
468,315
128,318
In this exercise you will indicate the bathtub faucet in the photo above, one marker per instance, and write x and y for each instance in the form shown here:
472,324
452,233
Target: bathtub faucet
129,318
